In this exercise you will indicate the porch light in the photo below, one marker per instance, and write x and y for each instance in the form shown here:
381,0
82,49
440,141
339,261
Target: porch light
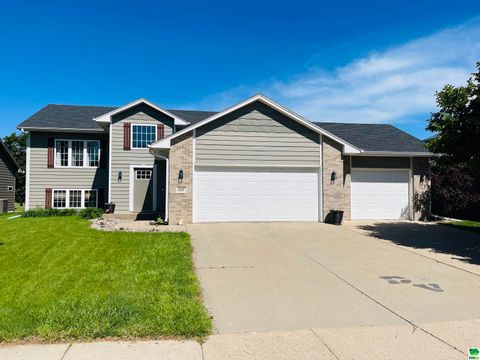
180,176
120,175
333,177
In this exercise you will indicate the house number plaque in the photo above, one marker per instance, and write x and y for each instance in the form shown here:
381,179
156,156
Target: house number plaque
181,189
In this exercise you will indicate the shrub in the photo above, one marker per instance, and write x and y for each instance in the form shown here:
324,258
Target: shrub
49,212
159,221
90,213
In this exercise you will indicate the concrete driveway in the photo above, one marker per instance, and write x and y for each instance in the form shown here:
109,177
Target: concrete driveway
289,276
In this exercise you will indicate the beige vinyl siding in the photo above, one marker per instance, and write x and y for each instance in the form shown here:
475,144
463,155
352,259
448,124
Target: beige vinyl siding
121,159
42,177
7,178
256,135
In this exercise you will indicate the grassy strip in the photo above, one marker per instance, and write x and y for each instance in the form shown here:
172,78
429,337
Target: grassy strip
62,280
469,225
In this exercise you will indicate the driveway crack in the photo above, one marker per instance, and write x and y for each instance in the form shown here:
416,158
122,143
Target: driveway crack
382,305
66,350
325,344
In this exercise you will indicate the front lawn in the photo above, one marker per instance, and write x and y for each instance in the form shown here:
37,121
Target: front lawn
61,280
464,225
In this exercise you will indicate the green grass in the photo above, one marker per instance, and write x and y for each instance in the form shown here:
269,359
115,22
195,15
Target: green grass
464,225
61,280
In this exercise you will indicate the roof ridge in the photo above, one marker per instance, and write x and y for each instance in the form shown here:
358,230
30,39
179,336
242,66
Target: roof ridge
75,105
350,123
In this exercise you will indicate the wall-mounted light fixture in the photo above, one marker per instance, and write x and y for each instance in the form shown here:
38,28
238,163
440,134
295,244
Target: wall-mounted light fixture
180,176
120,176
333,177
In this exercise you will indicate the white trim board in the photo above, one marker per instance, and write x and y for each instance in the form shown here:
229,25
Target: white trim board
27,174
348,148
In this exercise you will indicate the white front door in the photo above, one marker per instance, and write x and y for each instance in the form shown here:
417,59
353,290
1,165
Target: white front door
251,194
380,194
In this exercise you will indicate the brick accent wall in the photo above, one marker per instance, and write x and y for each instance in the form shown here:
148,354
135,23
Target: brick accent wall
181,158
420,166
336,195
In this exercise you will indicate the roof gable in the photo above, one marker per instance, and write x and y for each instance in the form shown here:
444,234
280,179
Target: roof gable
107,118
8,155
165,143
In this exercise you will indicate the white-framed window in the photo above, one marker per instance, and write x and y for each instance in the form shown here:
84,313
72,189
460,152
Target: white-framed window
143,135
143,174
61,153
77,153
74,198
59,199
93,153
90,198
9,188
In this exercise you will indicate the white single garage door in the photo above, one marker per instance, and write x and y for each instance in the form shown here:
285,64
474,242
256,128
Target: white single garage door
246,194
379,194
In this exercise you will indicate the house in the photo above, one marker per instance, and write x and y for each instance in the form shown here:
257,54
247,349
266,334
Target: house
8,172
254,161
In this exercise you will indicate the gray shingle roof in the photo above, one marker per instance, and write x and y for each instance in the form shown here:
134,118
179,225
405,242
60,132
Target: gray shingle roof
368,137
192,116
81,117
375,137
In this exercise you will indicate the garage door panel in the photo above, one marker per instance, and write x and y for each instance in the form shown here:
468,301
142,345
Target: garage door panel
243,194
379,194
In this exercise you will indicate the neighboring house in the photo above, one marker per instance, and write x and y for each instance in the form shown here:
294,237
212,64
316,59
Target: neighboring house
255,161
8,172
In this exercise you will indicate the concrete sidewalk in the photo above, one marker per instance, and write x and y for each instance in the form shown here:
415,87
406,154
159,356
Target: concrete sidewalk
436,341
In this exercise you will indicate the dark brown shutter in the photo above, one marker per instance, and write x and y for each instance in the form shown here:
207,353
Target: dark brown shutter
126,136
160,131
48,198
103,154
51,153
101,198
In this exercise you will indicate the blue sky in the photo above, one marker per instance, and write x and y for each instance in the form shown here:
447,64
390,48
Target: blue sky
350,61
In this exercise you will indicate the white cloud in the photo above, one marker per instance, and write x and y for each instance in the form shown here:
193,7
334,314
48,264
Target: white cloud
388,86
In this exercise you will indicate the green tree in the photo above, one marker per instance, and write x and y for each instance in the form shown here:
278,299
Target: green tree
456,175
457,124
17,144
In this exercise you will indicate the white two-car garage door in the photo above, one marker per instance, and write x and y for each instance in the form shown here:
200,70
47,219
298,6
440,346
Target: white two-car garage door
252,194
379,194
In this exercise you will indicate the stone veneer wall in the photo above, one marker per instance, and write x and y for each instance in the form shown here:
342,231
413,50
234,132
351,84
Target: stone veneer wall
181,158
336,196
420,166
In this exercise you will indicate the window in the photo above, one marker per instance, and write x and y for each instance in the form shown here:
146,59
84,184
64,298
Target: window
77,153
90,199
61,149
75,198
143,174
93,152
143,135
9,188
59,198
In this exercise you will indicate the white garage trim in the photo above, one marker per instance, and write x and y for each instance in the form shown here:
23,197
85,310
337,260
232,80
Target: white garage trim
390,193
231,194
